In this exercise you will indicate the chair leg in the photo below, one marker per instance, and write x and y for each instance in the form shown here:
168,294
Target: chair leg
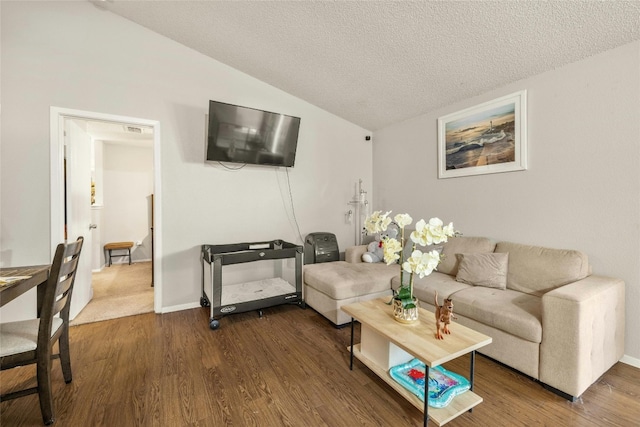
65,357
44,387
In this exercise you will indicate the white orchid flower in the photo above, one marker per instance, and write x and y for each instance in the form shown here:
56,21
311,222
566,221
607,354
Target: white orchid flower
391,247
432,232
426,233
419,236
376,222
403,220
449,231
430,261
412,262
385,221
435,231
422,263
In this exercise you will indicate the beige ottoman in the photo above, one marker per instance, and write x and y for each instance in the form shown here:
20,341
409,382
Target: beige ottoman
330,285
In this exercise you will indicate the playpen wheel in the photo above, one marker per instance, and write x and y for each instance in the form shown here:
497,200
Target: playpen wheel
214,324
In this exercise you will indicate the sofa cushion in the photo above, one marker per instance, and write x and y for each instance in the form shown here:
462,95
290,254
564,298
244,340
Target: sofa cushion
537,270
510,311
424,289
341,279
460,245
353,254
479,269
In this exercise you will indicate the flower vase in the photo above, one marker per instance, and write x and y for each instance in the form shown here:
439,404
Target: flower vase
403,314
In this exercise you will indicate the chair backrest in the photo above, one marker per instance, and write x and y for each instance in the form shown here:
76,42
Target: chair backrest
57,295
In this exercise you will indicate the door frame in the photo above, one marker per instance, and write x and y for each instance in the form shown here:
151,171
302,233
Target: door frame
57,117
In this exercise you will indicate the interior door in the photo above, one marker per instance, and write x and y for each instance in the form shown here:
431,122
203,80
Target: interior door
78,207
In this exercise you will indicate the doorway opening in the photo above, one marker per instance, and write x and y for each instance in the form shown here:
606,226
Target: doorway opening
78,138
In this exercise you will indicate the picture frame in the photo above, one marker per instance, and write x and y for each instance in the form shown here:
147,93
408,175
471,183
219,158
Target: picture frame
487,138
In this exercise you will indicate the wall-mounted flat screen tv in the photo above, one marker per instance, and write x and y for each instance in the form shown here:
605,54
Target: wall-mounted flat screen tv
247,135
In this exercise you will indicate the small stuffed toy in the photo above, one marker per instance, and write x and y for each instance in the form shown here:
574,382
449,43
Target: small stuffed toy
375,251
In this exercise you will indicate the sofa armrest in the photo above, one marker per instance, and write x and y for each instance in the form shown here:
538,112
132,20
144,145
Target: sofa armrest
583,326
353,254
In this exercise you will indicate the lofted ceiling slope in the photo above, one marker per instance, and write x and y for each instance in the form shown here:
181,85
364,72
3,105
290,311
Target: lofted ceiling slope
375,63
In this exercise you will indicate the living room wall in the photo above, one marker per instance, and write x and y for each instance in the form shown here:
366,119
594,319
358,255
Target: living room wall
581,189
75,56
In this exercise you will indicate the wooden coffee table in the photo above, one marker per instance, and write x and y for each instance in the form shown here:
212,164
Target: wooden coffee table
386,343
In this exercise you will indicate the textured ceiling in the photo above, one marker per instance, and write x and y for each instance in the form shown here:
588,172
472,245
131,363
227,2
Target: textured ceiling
377,63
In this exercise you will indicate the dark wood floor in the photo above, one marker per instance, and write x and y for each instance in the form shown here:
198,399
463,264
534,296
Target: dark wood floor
288,368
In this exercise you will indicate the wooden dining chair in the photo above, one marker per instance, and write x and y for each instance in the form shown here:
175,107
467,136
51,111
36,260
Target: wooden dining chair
31,341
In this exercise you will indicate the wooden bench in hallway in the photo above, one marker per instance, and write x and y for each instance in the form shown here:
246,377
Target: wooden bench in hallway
115,246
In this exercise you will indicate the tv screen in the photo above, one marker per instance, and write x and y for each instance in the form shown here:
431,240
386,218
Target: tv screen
247,135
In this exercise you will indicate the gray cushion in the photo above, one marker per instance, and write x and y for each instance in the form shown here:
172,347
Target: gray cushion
353,254
462,245
479,269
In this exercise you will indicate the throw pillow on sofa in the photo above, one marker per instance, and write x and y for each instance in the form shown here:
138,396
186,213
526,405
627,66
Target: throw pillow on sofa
463,245
483,269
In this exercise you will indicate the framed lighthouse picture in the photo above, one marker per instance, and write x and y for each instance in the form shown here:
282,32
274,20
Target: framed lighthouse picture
487,138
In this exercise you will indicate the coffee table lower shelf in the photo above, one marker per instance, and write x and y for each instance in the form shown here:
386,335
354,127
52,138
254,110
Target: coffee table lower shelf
440,416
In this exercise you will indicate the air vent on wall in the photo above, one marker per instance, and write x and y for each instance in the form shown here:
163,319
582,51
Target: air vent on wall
133,129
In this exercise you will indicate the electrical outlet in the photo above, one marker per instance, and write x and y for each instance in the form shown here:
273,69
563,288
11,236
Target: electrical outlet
139,243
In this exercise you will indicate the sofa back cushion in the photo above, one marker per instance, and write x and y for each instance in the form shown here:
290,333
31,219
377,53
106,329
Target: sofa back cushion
353,254
459,245
536,270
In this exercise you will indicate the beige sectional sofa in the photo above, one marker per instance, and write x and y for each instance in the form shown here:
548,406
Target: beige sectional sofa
549,317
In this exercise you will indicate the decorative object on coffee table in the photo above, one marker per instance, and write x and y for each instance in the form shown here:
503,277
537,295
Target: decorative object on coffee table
405,305
442,387
385,343
405,311
444,315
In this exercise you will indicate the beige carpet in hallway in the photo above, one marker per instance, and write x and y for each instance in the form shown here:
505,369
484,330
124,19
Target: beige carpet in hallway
118,291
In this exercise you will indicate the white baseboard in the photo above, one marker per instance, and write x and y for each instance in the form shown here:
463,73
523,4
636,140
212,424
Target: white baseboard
630,361
126,261
180,307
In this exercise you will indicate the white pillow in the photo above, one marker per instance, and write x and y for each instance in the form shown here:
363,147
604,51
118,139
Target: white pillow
483,269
